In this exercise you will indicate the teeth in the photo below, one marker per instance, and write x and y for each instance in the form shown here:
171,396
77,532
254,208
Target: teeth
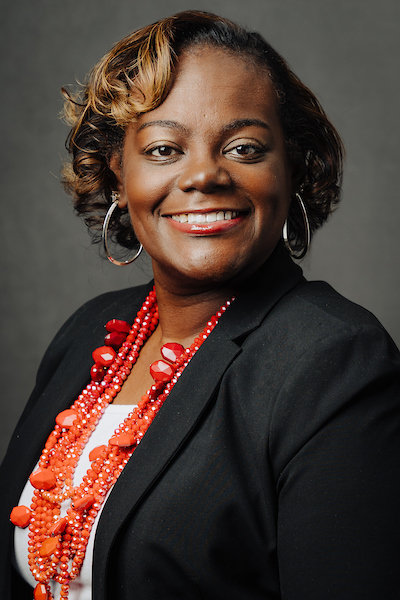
205,217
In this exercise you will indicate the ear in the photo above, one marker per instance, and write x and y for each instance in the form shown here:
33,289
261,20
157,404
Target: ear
115,165
298,172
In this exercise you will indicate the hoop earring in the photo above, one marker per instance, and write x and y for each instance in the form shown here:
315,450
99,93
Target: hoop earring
307,231
104,233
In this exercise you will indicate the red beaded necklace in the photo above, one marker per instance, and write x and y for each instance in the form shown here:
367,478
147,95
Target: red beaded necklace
57,546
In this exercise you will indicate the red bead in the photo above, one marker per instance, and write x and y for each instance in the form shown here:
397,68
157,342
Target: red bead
49,546
66,418
97,371
40,592
83,503
95,453
58,526
43,479
115,338
118,325
161,371
104,355
123,441
20,516
172,351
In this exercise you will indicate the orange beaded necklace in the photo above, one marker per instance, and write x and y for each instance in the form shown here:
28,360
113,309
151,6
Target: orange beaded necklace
57,546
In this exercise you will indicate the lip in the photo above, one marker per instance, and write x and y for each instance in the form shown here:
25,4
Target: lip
207,228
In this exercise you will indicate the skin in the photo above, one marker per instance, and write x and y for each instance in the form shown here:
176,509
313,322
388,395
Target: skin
212,146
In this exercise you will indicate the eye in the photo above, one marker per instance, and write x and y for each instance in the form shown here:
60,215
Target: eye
250,151
162,152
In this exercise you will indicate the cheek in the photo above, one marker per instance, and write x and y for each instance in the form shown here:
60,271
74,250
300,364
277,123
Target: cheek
271,198
139,200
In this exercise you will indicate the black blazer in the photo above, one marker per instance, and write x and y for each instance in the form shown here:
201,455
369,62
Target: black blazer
272,471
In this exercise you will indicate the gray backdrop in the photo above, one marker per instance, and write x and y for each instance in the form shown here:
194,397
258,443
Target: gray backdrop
347,51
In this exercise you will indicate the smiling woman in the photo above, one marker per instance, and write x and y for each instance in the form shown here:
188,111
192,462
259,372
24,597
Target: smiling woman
238,435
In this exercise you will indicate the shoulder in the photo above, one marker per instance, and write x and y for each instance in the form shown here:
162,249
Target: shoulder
340,369
85,327
313,324
120,304
120,300
321,310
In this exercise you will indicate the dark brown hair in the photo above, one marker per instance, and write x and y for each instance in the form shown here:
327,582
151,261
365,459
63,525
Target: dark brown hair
135,77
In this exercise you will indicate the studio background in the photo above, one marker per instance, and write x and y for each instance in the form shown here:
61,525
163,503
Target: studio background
346,51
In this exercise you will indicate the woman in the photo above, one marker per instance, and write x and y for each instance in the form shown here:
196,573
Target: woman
262,460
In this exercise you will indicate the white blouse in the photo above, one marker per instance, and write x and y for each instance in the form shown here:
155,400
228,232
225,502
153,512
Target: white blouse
81,587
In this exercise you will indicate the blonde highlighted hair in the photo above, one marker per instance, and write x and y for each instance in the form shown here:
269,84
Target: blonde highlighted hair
136,76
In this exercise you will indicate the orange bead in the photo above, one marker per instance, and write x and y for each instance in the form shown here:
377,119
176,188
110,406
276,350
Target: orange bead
49,546
66,418
83,503
20,516
43,479
95,453
122,441
58,526
40,592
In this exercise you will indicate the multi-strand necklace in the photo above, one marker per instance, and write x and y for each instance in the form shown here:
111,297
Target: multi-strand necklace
57,545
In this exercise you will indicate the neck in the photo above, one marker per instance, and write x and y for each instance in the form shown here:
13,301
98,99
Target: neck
183,316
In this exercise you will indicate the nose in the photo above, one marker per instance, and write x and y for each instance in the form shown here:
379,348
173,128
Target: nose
204,173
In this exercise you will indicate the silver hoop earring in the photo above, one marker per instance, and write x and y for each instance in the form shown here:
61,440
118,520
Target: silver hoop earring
104,233
307,231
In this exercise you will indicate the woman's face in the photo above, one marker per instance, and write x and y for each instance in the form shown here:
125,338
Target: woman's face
205,175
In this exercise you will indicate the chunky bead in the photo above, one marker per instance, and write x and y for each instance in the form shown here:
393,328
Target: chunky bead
172,351
115,338
122,441
83,503
161,371
43,479
104,355
118,325
49,546
20,516
40,592
97,371
58,526
66,418
95,453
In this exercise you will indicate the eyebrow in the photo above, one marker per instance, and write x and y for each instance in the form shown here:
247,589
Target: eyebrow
233,126
241,123
162,123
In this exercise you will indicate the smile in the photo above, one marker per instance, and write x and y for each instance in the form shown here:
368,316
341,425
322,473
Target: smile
206,223
211,217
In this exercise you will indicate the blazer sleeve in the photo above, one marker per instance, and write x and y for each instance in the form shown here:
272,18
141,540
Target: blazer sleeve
335,445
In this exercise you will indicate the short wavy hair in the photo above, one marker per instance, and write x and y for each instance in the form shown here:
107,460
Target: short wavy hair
136,76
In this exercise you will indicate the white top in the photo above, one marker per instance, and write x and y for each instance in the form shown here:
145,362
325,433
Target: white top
81,587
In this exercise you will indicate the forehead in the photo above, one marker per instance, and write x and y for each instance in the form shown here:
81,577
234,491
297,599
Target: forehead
215,85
